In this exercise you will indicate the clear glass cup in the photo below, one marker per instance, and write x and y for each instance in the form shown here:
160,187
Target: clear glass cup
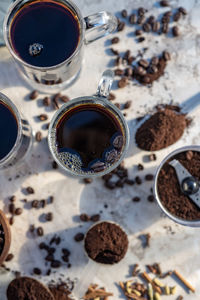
23,141
192,223
100,99
54,78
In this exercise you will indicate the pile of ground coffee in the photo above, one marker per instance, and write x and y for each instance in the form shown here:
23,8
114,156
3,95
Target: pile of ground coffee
162,129
169,189
106,243
60,291
2,239
25,288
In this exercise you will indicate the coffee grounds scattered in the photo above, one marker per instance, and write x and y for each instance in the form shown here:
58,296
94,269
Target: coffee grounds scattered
106,243
25,288
169,190
60,291
2,239
162,129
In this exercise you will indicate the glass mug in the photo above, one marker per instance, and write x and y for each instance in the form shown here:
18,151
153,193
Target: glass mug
61,75
23,141
88,136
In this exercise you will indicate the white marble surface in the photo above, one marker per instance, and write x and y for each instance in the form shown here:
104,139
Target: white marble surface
174,251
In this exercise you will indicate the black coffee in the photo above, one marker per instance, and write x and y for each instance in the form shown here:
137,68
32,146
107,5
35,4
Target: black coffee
89,138
8,130
44,33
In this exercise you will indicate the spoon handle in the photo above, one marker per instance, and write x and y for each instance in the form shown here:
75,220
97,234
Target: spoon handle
190,104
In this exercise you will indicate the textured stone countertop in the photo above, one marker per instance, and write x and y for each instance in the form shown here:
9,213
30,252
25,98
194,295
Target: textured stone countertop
172,245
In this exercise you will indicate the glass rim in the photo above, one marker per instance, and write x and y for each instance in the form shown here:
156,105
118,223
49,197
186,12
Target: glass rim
12,106
6,33
189,223
101,101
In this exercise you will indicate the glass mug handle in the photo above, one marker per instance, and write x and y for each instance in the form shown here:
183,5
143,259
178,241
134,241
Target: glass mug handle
99,25
105,84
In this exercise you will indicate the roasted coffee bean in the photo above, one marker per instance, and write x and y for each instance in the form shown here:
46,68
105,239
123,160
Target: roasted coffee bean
32,228
152,157
120,26
115,52
165,19
42,245
123,82
118,61
43,117
189,155
55,102
177,16
55,264
164,3
109,184
165,28
107,177
84,218
40,231
66,252
140,167
120,183
9,257
65,258
30,190
127,54
168,13
141,20
124,13
138,32
111,97
150,198
64,99
155,61
38,136
54,165
129,181
118,141
130,60
111,156
152,69
115,40
149,177
18,211
141,39
43,203
11,208
49,217
35,203
151,20
34,95
136,199
146,79
128,72
49,257
143,63
156,26
182,10
175,31
13,198
119,72
118,105
166,55
46,101
141,11
79,237
146,27
98,166
127,104
138,180
95,218
11,221
141,71
37,271
87,180
133,19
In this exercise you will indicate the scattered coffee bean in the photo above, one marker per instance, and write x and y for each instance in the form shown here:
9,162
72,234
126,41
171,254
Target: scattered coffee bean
43,117
13,198
65,251
40,231
65,258
32,228
156,26
121,26
140,167
138,32
35,203
64,99
84,218
133,19
118,105
119,72
164,3
95,218
141,71
128,72
150,198
129,181
141,20
124,13
149,177
43,203
141,11
115,52
152,157
166,55
127,104
55,102
34,95
123,82
136,199
151,20
18,211
115,40
146,27
138,180
46,101
79,237
155,61
87,180
49,257
9,257
165,28
111,97
177,16
37,271
118,61
182,10
152,69
49,217
54,165
168,13
11,208
98,166
143,63
175,31
38,136
11,221
141,39
110,185
146,79
55,264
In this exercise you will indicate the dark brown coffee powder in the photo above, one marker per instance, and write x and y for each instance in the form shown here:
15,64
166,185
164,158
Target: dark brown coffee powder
162,129
106,243
169,189
60,291
25,288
